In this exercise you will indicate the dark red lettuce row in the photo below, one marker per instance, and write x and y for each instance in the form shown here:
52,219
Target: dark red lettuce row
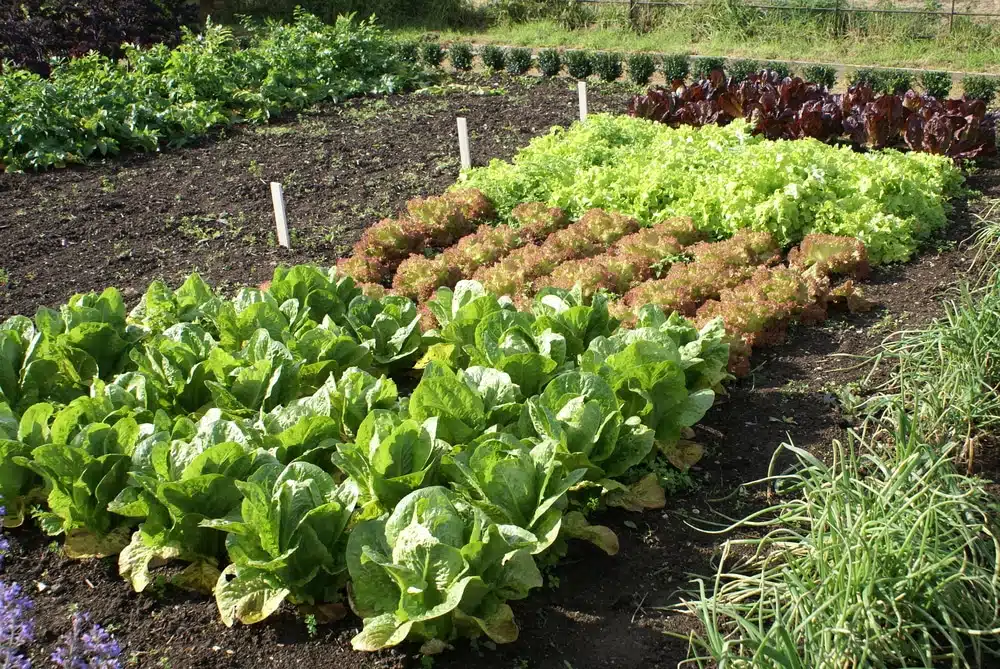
790,108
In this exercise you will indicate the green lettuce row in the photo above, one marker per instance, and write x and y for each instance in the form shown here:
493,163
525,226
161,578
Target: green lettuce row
727,180
434,507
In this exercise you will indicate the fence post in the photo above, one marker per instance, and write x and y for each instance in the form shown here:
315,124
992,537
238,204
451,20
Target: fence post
836,18
632,18
951,18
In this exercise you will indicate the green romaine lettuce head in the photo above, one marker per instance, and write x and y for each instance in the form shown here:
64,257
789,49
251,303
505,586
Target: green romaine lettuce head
388,327
516,482
178,365
391,458
85,461
318,294
458,314
267,377
506,340
56,357
190,482
161,308
581,413
287,542
645,371
704,353
19,485
436,569
565,312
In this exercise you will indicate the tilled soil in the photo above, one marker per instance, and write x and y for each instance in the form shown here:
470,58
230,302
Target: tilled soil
343,169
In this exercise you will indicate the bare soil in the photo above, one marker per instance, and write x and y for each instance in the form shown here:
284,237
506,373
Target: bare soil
344,168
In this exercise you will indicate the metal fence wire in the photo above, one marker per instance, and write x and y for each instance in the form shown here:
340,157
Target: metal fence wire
838,8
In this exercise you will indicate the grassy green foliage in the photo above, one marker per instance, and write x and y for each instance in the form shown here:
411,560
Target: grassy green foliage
945,368
641,68
742,68
864,76
431,54
607,65
825,75
549,62
702,66
519,61
727,180
579,64
874,560
494,58
675,67
160,96
983,88
936,84
461,56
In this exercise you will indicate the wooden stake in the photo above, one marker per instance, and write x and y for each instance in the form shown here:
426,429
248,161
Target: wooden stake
278,197
581,86
463,143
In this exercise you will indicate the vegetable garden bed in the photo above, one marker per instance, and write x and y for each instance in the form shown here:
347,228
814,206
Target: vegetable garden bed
599,611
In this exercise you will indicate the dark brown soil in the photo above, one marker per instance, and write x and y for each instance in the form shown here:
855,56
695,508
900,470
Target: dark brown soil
345,168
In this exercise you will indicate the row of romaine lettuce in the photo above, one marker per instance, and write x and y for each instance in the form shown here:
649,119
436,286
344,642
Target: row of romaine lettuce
256,425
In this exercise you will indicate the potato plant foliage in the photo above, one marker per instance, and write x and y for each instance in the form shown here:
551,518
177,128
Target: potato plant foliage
160,96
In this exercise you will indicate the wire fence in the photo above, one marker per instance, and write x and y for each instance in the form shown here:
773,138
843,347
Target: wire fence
840,7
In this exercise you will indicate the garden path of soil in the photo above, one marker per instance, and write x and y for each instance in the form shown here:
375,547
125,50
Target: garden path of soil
346,167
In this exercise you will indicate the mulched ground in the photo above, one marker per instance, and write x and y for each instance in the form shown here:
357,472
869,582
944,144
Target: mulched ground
207,208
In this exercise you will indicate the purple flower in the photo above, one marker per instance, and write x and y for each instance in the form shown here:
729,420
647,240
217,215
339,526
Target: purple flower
4,544
16,627
87,646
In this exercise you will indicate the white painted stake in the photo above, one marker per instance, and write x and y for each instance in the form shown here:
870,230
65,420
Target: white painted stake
463,143
278,197
581,86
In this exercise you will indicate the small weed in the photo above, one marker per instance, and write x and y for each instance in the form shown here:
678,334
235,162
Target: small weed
795,387
427,662
312,629
4,278
53,547
107,185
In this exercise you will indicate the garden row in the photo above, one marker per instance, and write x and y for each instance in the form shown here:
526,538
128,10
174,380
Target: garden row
790,108
677,68
608,255
258,440
162,96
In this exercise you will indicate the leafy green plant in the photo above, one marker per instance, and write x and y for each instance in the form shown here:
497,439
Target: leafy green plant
160,97
494,58
388,327
287,543
684,171
461,55
408,51
703,66
182,484
893,82
549,62
436,569
865,76
431,54
741,69
980,87
675,67
518,61
825,75
936,84
778,67
579,64
390,458
607,65
641,68
18,437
